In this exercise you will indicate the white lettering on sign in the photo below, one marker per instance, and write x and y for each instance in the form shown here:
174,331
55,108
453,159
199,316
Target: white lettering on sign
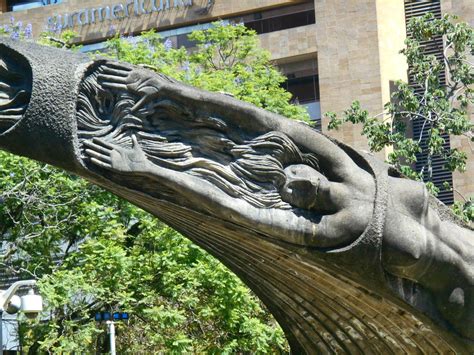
114,12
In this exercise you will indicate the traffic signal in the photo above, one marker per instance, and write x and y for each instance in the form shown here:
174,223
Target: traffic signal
116,316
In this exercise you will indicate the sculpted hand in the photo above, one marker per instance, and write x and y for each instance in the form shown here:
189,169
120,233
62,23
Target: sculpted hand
115,158
116,76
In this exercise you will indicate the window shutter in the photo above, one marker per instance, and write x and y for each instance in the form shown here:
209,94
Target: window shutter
440,174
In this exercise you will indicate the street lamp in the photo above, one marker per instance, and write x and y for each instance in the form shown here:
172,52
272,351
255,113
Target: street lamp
110,319
30,304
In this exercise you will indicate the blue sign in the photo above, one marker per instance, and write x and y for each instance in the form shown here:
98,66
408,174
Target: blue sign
116,316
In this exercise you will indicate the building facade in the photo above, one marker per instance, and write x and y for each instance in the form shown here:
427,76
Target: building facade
332,51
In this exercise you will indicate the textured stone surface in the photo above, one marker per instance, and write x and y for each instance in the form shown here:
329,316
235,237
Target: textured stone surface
348,256
52,98
291,44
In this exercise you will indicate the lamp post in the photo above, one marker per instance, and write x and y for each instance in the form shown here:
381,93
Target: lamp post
111,326
110,319
30,303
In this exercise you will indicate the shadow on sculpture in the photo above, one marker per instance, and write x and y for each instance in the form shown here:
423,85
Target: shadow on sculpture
347,255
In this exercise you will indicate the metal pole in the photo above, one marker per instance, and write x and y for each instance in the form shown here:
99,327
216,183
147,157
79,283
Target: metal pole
1,331
111,326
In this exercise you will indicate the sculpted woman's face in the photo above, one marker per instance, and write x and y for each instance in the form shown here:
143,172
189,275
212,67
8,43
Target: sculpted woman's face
302,186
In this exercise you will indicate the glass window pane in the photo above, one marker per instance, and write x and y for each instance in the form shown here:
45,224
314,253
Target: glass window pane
314,110
303,89
282,22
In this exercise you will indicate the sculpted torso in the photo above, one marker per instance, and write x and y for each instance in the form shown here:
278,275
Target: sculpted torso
244,171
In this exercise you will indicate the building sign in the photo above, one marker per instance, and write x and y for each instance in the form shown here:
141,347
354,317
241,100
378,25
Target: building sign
117,11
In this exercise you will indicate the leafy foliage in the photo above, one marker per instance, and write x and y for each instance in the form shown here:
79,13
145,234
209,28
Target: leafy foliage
443,108
92,251
16,30
61,39
227,59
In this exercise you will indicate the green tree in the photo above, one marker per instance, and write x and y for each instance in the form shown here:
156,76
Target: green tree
443,108
63,39
227,59
92,251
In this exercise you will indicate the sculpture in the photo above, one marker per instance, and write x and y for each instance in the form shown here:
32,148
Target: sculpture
348,255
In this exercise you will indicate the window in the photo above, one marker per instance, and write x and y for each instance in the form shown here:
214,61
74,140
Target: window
177,36
440,173
183,41
18,5
280,18
314,111
282,22
303,84
305,92
262,22
304,89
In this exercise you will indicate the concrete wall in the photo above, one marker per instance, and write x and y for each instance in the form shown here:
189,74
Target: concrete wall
391,37
358,43
290,44
463,182
3,6
134,24
282,44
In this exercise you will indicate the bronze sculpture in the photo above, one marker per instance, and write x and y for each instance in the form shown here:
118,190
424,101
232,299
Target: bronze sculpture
346,254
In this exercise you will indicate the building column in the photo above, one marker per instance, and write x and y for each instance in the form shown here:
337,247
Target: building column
463,183
358,45
3,6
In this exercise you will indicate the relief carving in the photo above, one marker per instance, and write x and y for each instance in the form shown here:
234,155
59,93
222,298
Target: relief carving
15,88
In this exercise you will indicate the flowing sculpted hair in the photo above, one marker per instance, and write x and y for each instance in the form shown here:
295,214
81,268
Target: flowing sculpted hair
15,87
174,137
